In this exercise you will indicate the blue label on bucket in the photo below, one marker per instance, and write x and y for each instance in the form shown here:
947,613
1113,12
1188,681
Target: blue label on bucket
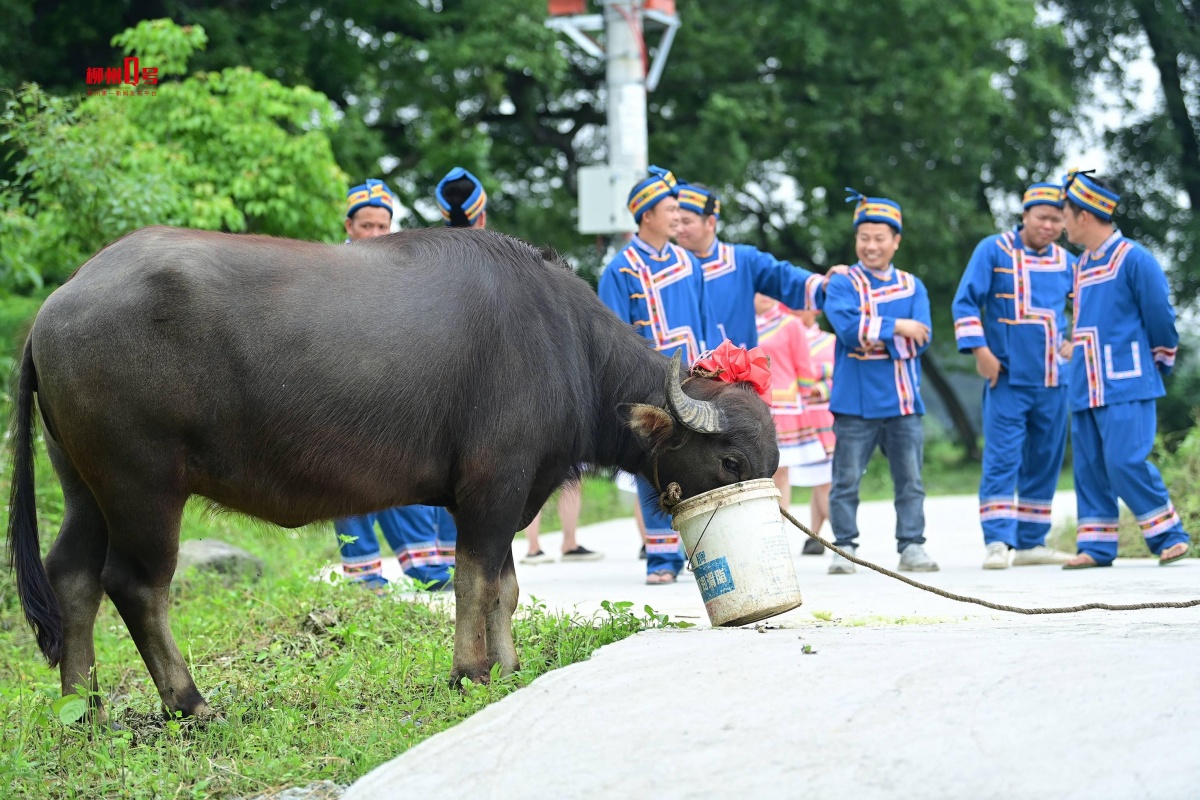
714,579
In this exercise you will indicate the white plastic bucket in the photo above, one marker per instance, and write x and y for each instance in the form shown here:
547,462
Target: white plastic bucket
734,541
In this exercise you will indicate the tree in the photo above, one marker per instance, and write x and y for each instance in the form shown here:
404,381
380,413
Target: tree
950,109
953,129
1155,158
230,150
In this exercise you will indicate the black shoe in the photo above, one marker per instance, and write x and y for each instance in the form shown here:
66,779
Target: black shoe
581,553
642,553
812,548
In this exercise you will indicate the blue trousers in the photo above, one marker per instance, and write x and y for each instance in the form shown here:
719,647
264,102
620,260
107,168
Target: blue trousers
1112,444
1024,440
902,440
422,537
662,541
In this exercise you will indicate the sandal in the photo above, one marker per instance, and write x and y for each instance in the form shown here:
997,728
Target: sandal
1084,561
659,578
1179,548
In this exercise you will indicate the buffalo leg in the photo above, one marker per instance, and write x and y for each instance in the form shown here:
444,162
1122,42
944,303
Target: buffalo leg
73,566
484,546
143,548
470,636
500,646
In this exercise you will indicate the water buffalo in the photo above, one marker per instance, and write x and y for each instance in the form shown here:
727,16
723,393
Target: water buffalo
298,382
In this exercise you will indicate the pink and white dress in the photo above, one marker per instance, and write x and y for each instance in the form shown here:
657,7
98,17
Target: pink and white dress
784,339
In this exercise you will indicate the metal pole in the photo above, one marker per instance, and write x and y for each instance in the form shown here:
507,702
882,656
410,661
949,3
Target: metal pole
625,75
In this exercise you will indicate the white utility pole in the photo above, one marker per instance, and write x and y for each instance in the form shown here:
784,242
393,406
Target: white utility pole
604,188
625,80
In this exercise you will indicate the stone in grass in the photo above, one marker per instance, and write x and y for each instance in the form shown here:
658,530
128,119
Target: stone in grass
213,555
321,790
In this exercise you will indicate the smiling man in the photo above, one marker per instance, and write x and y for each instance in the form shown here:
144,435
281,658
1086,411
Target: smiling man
880,315
1009,312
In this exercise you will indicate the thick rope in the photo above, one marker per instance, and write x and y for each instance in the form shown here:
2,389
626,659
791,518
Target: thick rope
996,606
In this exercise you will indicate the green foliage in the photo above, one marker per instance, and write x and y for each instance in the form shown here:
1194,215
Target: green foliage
1155,156
232,150
287,662
755,97
1176,409
162,44
809,98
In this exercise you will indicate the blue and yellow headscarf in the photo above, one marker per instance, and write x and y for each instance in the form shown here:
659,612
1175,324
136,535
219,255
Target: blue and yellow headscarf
699,200
372,193
1043,194
475,204
653,190
875,209
1090,196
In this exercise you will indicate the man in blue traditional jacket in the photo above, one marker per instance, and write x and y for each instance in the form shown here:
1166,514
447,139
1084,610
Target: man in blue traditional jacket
880,315
1125,341
1009,312
658,287
734,273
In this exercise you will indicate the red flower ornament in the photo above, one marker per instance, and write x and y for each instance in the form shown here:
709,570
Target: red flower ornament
734,364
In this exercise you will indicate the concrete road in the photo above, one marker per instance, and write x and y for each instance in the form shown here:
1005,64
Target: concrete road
903,694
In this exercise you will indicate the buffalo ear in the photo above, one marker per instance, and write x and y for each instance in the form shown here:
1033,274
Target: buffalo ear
651,424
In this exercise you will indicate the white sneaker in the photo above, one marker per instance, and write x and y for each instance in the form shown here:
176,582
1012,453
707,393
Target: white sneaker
842,566
997,556
915,559
1039,555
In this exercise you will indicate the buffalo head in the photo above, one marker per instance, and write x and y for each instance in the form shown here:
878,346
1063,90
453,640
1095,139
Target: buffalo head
709,434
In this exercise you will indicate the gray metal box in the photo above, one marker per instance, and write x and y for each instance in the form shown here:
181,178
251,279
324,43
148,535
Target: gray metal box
602,194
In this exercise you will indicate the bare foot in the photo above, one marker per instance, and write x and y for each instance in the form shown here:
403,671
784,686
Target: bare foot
1082,561
660,577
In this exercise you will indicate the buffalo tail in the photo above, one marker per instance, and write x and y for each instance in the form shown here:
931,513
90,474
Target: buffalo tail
24,552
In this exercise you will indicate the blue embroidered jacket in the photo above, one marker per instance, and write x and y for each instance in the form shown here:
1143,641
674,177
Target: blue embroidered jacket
877,374
1124,326
662,294
1012,299
734,272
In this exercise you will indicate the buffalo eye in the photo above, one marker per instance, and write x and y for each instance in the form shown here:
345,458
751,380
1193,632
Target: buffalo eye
732,465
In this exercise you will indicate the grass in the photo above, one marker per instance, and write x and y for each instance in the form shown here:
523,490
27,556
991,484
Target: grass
315,681
877,620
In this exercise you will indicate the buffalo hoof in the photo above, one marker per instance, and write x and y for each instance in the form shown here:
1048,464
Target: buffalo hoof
202,712
457,676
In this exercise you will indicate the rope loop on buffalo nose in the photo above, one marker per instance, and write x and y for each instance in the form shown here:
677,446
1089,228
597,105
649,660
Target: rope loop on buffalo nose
671,497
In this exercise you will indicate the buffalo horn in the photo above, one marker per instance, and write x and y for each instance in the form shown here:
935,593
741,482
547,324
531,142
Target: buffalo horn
700,416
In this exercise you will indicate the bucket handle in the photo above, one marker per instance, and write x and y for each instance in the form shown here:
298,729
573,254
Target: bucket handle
690,566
